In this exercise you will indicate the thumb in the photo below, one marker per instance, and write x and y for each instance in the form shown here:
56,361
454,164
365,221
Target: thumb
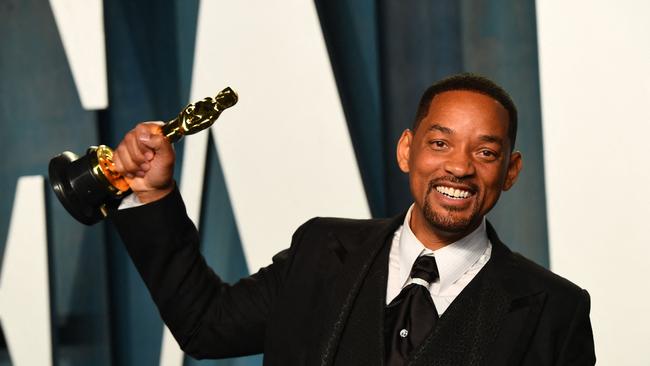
154,142
148,134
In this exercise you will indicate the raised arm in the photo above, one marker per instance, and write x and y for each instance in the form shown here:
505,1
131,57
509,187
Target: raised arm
208,317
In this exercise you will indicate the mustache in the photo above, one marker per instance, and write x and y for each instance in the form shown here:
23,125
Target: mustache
451,179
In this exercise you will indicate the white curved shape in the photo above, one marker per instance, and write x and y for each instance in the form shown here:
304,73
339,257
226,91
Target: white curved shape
24,281
81,27
595,88
170,352
285,150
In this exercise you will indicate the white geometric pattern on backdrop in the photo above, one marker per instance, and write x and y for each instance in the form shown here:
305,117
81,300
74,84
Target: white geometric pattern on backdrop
25,294
81,28
285,150
595,89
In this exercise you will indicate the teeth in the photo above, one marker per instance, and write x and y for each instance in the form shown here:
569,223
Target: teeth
453,193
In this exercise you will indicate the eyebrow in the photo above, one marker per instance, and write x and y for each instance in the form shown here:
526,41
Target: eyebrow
440,128
449,131
492,139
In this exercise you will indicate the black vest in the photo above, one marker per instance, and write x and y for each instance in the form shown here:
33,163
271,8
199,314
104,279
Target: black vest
462,335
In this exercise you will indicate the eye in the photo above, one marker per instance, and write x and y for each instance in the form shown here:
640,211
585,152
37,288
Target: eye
438,144
488,154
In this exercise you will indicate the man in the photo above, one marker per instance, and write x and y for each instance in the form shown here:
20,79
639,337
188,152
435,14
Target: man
433,286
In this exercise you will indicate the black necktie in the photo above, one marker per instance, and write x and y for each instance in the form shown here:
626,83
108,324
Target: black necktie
412,315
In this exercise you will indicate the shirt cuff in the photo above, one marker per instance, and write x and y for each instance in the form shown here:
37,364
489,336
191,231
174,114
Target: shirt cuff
130,201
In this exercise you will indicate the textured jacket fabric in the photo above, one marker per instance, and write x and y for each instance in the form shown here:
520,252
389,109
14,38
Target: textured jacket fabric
321,302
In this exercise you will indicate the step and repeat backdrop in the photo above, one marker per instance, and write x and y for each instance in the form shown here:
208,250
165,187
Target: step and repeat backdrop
325,88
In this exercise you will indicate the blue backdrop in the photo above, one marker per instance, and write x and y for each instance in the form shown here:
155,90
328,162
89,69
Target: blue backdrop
384,53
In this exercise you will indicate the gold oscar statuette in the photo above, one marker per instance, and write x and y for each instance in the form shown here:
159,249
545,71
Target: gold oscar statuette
88,185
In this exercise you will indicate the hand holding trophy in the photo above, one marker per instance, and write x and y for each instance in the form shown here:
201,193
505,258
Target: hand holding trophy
86,186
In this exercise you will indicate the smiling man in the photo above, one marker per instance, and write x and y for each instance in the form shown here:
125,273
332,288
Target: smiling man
433,286
459,158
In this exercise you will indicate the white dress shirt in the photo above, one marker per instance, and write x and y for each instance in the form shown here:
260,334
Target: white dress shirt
458,263
129,201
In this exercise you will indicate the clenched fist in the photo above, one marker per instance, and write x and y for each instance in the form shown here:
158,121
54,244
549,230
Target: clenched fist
146,158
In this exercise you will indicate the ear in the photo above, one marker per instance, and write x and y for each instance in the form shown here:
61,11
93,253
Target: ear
514,167
404,150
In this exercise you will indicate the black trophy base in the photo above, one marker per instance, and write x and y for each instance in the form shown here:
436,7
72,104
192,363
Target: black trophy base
82,194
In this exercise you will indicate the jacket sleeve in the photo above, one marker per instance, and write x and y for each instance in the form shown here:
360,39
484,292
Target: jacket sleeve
578,348
208,318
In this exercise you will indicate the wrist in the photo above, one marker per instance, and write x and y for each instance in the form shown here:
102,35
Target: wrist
153,195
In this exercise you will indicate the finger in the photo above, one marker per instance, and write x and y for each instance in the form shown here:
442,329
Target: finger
117,162
128,167
136,149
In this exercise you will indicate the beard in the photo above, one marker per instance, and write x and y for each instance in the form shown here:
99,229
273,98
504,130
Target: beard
450,220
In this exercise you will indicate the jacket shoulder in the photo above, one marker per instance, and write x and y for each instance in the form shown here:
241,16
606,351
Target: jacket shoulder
563,333
351,234
346,224
543,278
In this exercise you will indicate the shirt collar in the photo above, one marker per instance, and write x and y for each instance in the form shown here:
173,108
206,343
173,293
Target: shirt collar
453,260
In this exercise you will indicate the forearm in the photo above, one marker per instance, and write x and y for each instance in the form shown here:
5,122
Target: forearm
207,316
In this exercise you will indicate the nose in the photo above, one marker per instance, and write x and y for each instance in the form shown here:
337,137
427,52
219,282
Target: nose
460,165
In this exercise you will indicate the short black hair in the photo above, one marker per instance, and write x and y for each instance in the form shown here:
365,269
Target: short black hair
471,82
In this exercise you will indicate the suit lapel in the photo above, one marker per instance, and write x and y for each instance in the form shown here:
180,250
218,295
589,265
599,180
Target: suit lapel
361,285
490,322
526,303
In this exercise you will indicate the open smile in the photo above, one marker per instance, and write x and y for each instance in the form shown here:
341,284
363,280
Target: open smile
453,193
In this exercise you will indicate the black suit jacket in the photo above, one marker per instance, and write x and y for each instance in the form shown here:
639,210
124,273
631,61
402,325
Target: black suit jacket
321,302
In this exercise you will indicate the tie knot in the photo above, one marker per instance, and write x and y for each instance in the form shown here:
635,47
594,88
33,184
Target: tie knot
425,268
